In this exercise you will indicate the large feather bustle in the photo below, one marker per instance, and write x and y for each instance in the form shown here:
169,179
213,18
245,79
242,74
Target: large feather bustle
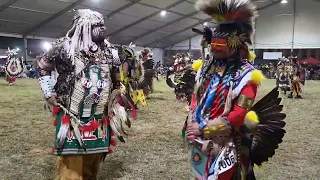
270,128
187,82
170,79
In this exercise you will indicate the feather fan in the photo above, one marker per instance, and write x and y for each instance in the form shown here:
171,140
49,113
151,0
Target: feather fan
170,79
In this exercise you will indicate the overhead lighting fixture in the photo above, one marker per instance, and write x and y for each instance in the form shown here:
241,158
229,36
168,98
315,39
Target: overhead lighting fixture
284,1
163,12
46,46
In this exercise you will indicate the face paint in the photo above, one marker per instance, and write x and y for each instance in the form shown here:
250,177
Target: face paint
98,33
218,44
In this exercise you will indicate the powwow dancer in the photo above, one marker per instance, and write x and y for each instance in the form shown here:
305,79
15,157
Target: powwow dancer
282,75
84,97
132,76
184,88
297,78
14,66
174,73
181,76
148,66
227,133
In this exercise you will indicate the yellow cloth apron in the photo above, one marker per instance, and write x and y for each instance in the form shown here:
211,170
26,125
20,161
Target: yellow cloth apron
137,95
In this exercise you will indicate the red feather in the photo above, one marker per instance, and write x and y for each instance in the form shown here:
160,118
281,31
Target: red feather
54,122
120,100
55,110
65,119
111,133
113,142
133,111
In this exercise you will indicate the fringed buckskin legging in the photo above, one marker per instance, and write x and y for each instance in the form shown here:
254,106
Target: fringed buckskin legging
78,167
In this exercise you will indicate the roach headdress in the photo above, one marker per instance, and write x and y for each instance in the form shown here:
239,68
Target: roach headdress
82,29
128,51
235,20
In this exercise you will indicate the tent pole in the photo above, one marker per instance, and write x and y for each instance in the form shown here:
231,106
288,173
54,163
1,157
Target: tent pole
294,24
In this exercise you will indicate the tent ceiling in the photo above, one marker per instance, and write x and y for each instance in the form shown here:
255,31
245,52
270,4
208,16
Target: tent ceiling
126,20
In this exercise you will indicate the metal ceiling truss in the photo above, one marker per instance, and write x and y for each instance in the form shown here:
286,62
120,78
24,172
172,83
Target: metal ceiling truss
162,39
173,12
7,4
68,8
51,18
161,27
190,37
271,4
145,18
178,32
123,8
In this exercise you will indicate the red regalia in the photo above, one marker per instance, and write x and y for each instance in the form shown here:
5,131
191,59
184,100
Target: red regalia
14,66
228,132
297,78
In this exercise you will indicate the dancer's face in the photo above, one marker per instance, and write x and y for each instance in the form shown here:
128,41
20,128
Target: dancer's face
223,53
98,33
220,48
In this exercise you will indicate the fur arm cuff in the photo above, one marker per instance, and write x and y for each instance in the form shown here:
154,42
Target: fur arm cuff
240,108
46,85
251,120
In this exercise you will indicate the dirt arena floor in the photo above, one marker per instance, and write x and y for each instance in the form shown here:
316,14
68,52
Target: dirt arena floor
154,148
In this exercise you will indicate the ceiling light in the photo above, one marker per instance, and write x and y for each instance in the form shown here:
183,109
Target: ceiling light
46,46
163,12
284,1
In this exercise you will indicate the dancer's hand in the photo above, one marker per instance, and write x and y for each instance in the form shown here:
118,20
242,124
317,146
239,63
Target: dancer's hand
192,132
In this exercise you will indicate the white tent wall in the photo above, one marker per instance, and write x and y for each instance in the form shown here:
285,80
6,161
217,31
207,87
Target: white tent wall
307,27
274,30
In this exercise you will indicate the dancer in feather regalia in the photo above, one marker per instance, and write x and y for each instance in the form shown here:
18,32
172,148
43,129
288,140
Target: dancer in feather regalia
297,78
229,134
132,76
146,58
174,73
181,76
85,97
14,66
282,75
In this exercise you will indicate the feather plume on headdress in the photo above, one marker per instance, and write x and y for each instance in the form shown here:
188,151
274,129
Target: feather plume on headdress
232,16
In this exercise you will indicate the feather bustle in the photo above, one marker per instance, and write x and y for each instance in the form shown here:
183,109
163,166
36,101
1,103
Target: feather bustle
270,129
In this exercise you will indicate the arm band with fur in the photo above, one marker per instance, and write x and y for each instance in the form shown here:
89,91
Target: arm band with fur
45,68
46,85
238,113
